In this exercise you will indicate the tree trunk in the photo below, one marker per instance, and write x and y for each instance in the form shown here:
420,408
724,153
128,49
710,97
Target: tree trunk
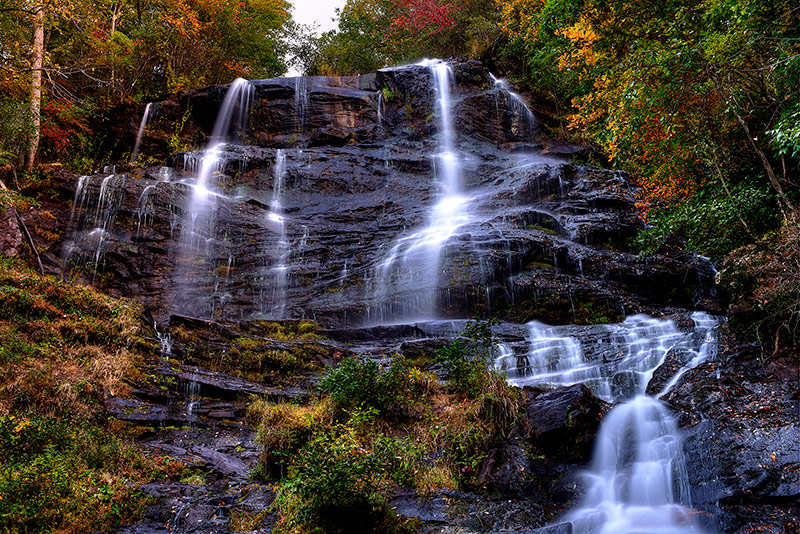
37,61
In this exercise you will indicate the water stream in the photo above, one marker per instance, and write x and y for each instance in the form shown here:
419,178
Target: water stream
277,223
412,263
146,118
199,226
637,482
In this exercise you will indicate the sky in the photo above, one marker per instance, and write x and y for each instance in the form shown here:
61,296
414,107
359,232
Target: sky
315,11
320,11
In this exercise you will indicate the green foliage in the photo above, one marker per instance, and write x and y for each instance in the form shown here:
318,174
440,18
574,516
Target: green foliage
55,475
282,429
61,348
712,222
373,34
336,485
362,382
467,359
763,281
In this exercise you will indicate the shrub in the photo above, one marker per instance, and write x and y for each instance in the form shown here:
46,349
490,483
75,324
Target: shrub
282,429
336,485
711,222
467,358
362,382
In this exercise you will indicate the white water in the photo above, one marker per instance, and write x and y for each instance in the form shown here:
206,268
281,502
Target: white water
413,263
380,110
92,239
142,125
300,103
198,228
523,121
616,362
277,222
637,482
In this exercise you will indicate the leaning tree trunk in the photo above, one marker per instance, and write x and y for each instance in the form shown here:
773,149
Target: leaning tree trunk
36,86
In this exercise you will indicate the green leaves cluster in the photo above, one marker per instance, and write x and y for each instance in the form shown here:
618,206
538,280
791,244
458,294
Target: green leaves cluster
467,359
360,382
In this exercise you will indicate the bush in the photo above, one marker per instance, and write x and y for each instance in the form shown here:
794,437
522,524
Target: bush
763,281
282,429
336,485
362,382
467,359
712,223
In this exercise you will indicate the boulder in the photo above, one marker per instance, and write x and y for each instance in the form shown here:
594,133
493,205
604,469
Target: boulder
562,423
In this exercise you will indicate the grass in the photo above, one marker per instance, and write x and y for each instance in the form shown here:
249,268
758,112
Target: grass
63,466
263,351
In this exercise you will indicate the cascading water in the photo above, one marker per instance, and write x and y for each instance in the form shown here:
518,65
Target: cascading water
146,117
523,122
277,222
380,110
92,238
146,208
637,482
198,230
412,264
300,104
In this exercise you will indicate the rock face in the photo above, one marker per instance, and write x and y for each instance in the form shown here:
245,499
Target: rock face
549,447
742,422
331,175
10,235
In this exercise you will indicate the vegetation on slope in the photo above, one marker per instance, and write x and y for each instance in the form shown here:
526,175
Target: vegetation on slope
64,467
379,427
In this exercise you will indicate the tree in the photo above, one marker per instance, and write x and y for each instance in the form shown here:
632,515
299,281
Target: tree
378,33
84,56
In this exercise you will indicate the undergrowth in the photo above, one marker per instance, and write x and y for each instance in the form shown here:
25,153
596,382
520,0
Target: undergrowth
63,466
377,427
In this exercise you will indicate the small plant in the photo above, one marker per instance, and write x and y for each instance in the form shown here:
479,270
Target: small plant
282,429
467,358
362,382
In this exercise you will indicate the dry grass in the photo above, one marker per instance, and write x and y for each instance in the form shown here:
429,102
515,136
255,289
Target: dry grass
439,476
62,349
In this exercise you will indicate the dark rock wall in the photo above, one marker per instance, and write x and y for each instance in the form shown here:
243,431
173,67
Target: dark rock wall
546,239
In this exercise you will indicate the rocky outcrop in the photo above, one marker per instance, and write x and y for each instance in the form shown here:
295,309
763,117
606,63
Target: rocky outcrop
10,234
543,238
742,422
550,445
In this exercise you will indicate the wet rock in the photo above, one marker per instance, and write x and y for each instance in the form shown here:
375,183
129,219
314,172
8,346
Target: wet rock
10,234
741,424
563,422
507,467
546,239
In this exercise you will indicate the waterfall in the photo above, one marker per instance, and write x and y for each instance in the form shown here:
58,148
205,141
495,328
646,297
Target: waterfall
198,229
92,235
523,122
380,110
412,264
234,113
277,223
637,482
300,103
142,125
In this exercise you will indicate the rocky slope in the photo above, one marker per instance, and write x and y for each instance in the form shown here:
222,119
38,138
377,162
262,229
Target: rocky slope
543,238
